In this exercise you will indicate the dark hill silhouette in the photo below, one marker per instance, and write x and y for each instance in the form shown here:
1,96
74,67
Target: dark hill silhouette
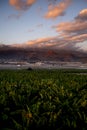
35,54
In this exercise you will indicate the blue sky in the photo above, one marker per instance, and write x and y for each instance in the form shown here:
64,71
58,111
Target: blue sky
42,23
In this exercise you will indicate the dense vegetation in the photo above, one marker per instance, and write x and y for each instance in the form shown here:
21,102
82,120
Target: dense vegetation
36,99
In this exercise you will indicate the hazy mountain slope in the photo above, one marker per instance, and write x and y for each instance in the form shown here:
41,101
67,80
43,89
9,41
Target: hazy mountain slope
35,54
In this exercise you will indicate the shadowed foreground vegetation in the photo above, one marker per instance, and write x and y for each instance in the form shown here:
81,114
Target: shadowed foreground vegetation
51,99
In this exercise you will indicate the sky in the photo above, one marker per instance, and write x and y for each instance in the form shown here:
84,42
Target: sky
44,23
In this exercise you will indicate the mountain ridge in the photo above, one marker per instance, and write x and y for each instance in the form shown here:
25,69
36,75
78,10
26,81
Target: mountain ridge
41,54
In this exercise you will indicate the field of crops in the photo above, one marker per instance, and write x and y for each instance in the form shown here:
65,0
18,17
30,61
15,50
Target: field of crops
36,99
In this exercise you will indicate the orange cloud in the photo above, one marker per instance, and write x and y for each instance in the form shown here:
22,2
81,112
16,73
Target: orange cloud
57,10
77,26
74,32
72,27
79,38
30,2
41,42
83,12
82,15
21,4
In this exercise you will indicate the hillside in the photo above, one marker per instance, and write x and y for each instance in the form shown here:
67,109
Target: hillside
35,54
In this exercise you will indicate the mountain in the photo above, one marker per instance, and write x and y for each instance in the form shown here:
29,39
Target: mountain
8,53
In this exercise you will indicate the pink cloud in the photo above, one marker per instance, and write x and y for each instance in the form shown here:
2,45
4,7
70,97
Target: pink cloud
21,4
57,10
74,32
72,27
82,15
79,38
77,26
41,42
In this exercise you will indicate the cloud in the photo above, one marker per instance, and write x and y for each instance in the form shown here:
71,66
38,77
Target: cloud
21,4
79,38
77,26
52,43
14,16
57,10
82,15
41,42
72,27
70,34
74,32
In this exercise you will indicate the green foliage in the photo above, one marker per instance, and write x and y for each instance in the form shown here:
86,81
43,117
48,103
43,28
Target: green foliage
53,99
